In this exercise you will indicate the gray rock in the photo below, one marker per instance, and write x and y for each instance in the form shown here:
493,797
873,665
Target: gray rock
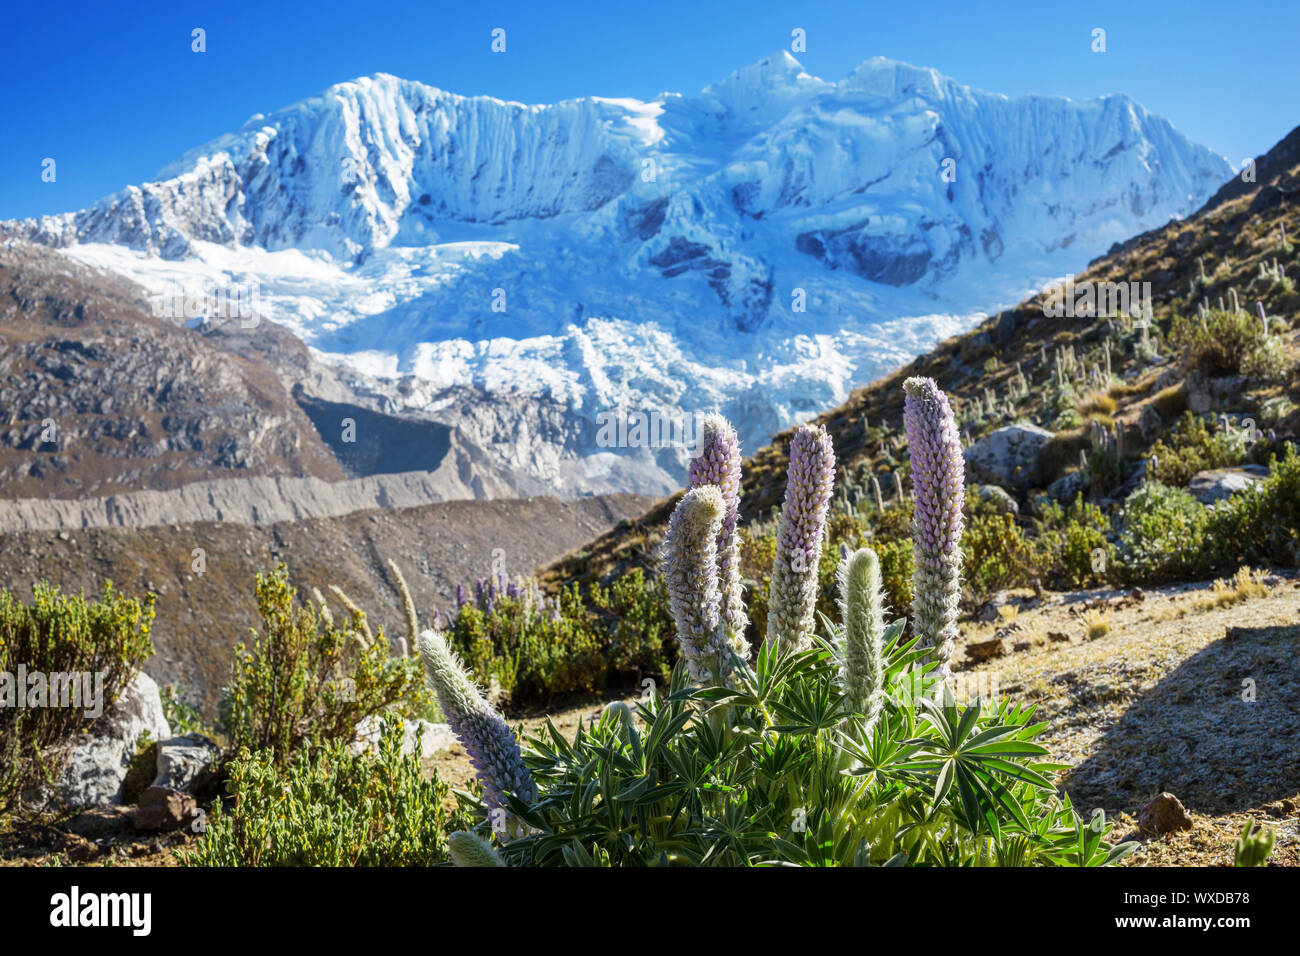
96,762
1150,423
999,498
1205,393
434,738
186,762
1008,457
1067,487
1220,483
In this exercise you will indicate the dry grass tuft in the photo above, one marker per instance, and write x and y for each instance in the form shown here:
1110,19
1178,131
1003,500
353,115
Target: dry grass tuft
1096,623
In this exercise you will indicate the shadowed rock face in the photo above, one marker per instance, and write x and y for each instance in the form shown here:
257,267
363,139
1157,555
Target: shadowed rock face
372,443
877,258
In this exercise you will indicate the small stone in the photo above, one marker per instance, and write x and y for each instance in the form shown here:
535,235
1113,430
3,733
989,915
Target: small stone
1164,814
1058,637
162,808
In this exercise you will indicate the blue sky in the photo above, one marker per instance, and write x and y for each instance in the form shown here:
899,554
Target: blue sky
113,92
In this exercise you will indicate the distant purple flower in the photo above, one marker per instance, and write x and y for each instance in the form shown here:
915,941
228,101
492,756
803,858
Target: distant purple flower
489,742
460,596
718,464
480,592
808,486
939,488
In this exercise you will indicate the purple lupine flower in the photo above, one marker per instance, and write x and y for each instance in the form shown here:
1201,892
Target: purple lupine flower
491,745
718,464
808,487
513,592
460,596
437,619
690,569
939,488
479,592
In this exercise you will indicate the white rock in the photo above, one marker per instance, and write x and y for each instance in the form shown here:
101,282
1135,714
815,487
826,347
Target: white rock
434,738
96,764
1007,457
1220,483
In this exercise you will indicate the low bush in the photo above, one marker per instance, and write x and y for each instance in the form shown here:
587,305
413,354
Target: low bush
1227,342
1195,444
306,679
329,807
1261,525
1073,547
998,556
1162,534
537,649
60,638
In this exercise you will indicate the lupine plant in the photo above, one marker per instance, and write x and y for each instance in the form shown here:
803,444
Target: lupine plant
844,747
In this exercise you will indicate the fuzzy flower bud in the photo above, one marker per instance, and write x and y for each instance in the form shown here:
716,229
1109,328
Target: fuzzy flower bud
690,569
483,733
799,542
939,488
470,849
862,670
718,464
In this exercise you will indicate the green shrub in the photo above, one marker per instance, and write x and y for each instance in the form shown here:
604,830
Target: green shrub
897,565
1260,525
1068,544
1225,342
58,634
1195,444
534,651
307,680
997,555
328,807
1162,534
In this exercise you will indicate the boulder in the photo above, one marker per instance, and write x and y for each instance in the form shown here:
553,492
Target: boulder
1220,483
1162,815
999,498
1008,456
186,762
434,738
1205,393
1150,423
1068,487
96,762
162,808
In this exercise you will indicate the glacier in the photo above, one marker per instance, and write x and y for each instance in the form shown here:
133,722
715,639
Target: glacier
759,248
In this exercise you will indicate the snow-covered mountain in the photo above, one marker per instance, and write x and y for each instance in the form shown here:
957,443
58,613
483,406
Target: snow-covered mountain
759,248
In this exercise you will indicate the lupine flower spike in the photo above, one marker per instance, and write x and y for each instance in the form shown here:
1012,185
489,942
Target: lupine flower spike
939,487
718,464
483,733
862,671
799,542
690,568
